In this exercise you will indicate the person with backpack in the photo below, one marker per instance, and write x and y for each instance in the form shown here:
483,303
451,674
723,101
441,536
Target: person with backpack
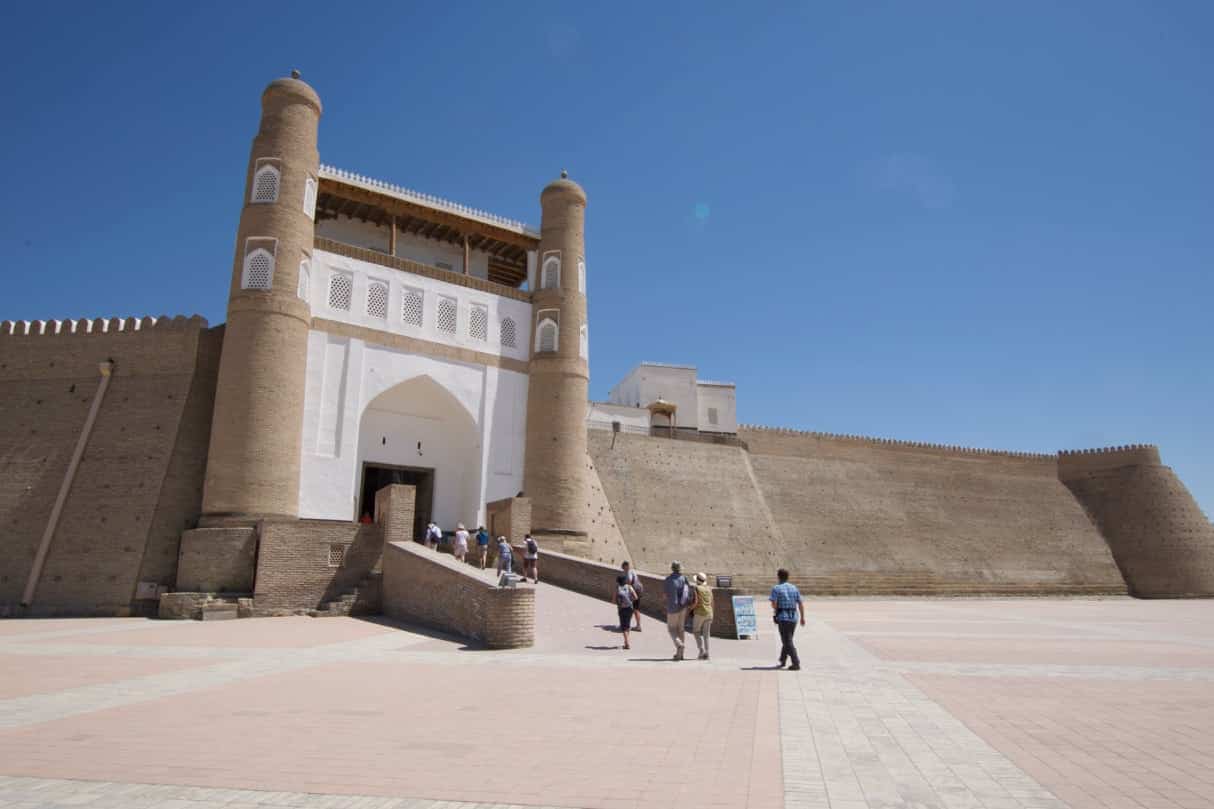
482,545
634,581
434,535
531,558
678,599
625,601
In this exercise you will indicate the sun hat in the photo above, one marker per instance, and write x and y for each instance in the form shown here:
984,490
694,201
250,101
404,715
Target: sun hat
701,578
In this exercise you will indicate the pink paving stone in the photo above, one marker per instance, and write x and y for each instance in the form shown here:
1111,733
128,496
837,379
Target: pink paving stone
1094,743
45,674
16,627
250,633
566,736
1011,650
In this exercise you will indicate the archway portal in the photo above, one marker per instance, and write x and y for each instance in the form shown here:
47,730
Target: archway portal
418,433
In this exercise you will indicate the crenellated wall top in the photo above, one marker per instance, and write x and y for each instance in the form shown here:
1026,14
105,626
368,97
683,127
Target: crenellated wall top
1079,461
99,325
893,443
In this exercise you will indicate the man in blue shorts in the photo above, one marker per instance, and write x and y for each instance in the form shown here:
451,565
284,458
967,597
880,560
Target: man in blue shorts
786,604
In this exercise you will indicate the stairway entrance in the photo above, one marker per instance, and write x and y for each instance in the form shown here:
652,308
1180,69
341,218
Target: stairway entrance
376,476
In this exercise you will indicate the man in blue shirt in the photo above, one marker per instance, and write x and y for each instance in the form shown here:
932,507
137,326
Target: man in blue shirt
786,604
678,599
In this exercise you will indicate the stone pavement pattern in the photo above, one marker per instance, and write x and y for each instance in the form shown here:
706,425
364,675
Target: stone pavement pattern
910,704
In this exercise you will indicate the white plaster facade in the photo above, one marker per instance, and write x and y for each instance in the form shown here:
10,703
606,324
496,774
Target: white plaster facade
718,406
371,403
367,402
600,415
701,405
400,285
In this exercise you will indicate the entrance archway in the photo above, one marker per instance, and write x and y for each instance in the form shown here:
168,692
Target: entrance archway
417,432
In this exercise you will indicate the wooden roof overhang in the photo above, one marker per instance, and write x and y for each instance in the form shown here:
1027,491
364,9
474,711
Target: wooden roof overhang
507,248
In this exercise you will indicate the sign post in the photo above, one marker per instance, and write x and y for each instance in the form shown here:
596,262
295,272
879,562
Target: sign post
744,616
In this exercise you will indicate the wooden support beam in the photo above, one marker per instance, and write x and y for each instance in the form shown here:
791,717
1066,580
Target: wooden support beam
400,207
467,256
392,237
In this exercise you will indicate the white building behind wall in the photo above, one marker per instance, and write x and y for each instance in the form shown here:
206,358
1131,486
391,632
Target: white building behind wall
703,405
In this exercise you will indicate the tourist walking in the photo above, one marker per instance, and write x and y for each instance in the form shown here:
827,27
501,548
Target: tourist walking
635,582
786,604
460,551
701,614
505,557
625,602
482,545
678,598
531,558
434,535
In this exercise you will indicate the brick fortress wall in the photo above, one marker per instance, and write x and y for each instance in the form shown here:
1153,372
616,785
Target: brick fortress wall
138,485
864,515
1161,539
684,500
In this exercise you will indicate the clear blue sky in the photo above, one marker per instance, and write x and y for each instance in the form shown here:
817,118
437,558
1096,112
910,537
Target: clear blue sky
969,223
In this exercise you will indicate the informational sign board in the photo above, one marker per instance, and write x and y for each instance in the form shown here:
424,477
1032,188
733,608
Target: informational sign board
744,616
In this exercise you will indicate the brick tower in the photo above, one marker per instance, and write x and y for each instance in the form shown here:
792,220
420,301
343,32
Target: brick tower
556,461
253,464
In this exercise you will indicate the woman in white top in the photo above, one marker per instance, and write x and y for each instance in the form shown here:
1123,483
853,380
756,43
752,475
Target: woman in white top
461,543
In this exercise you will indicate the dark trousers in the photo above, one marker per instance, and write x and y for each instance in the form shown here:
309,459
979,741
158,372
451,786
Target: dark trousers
787,650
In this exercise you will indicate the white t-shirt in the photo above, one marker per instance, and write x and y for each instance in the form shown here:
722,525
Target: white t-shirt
461,539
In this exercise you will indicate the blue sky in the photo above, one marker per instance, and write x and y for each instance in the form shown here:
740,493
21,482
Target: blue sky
976,224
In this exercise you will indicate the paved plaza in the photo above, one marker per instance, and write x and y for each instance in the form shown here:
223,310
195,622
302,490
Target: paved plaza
902,704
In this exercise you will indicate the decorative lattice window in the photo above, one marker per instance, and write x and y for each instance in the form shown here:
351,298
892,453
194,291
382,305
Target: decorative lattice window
337,555
508,332
581,275
377,300
712,415
546,336
550,277
445,320
583,349
310,197
258,269
411,307
305,276
478,322
265,184
341,289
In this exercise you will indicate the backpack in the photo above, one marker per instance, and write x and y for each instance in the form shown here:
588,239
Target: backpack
684,592
532,547
622,597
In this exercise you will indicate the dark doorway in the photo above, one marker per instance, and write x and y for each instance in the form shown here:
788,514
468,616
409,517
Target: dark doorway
377,476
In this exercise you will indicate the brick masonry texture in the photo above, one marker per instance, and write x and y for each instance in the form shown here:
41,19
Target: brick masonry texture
217,560
861,516
1161,539
423,587
293,570
254,461
139,481
684,500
